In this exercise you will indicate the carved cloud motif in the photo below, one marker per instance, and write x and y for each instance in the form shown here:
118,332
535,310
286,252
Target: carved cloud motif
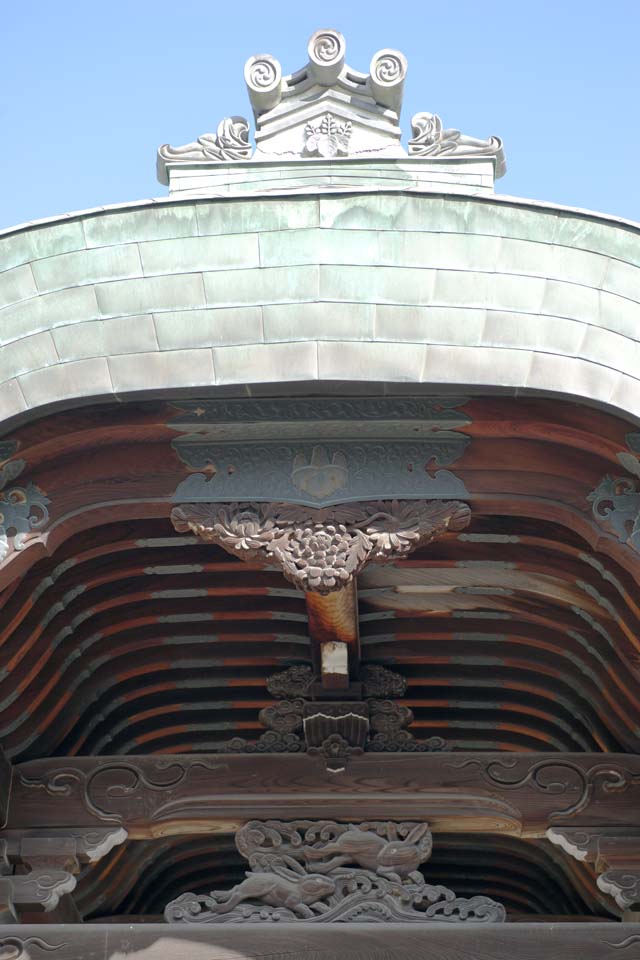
332,872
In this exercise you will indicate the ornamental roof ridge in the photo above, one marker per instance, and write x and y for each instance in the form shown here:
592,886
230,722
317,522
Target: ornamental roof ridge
328,111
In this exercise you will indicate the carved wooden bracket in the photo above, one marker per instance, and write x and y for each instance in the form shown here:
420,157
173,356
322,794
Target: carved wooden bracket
615,854
332,872
336,730
321,550
38,867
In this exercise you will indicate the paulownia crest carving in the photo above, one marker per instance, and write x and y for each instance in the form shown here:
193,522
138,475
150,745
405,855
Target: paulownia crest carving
321,550
328,138
332,872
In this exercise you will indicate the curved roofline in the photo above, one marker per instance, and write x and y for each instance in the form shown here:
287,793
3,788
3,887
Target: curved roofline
500,198
361,285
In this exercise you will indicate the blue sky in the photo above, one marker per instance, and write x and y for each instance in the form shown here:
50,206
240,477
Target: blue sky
89,89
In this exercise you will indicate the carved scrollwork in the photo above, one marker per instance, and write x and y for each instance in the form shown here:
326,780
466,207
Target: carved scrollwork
557,776
321,550
623,886
15,948
329,872
292,683
431,140
326,47
284,717
381,683
230,142
110,789
340,729
388,722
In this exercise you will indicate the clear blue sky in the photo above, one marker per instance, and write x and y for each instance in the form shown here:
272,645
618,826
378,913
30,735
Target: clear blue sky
88,90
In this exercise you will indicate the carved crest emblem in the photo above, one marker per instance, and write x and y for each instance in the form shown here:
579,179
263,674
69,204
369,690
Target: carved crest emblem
328,138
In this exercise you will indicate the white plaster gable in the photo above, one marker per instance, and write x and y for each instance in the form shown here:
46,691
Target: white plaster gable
326,111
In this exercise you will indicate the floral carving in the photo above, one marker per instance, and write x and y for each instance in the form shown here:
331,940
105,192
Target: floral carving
321,550
329,872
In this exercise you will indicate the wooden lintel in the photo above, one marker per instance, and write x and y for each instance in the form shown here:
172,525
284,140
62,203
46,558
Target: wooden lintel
517,794
446,941
333,619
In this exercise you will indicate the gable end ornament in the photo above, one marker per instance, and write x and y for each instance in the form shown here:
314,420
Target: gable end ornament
328,110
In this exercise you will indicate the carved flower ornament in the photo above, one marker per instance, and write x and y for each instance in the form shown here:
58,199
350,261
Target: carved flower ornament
321,550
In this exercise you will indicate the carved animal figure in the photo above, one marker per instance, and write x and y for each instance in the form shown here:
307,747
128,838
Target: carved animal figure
282,886
395,859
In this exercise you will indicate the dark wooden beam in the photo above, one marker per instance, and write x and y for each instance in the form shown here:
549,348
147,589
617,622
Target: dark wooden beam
335,641
5,786
517,794
438,941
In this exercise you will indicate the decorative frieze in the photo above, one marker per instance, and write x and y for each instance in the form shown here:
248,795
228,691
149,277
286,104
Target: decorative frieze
321,550
320,474
519,794
328,872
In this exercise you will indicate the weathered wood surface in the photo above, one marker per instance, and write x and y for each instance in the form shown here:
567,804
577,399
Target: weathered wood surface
441,941
5,787
519,794
518,634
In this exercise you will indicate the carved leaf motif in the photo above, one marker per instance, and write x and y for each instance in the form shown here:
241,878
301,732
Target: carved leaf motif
321,550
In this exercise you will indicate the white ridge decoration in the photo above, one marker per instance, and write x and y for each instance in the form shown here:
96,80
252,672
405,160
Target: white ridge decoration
327,111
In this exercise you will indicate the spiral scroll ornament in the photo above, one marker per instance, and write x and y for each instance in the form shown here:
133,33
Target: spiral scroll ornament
388,67
263,73
326,47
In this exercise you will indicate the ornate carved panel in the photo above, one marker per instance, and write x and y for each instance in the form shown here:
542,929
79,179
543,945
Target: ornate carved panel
326,872
321,550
